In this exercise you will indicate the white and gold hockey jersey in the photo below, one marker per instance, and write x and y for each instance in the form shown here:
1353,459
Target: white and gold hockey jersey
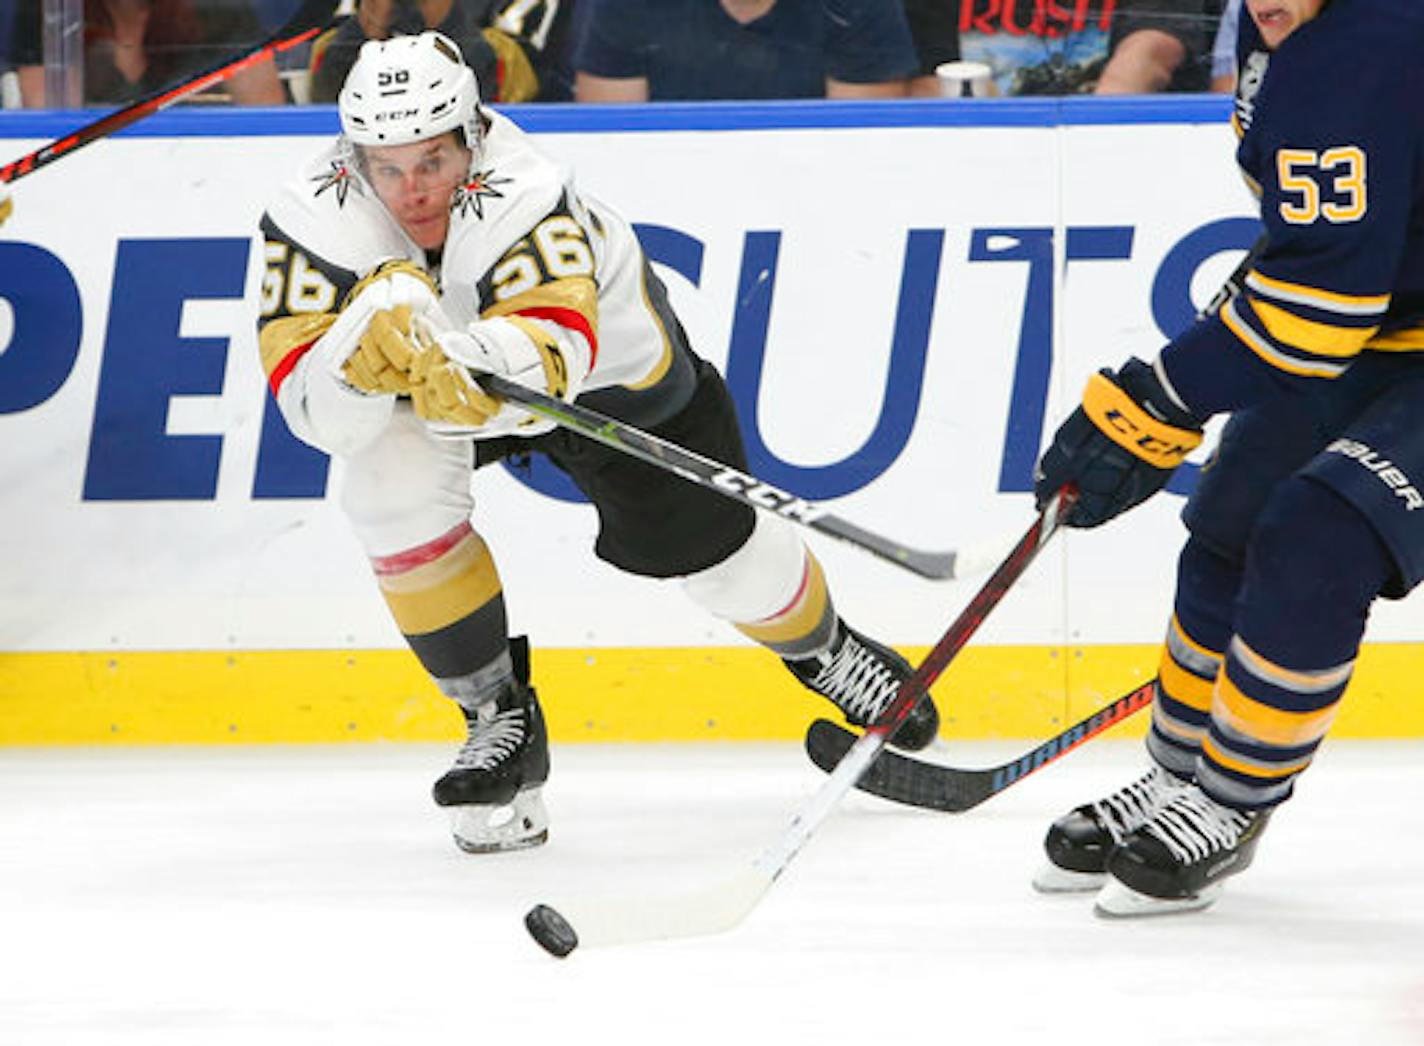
522,242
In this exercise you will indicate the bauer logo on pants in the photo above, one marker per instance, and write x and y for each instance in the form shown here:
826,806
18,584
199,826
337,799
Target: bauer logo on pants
1390,474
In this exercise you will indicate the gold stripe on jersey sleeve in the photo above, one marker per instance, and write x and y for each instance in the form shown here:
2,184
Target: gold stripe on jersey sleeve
1330,301
280,336
1261,347
1321,339
1408,340
664,361
576,293
1273,726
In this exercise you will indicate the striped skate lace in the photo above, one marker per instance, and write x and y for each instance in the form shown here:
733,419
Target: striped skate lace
1193,827
1131,807
493,738
860,683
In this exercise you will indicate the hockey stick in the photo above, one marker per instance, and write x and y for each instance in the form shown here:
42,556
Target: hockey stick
309,20
913,782
739,486
724,905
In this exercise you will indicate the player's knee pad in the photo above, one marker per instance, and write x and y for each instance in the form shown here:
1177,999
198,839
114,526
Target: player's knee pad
407,487
756,581
1314,566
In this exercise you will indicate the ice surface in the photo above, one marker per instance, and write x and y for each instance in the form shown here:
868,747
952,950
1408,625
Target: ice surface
311,895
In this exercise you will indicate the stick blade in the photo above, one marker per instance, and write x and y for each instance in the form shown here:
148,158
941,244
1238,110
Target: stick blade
596,922
936,566
969,561
897,777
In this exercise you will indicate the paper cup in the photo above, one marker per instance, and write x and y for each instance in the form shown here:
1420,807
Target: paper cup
965,80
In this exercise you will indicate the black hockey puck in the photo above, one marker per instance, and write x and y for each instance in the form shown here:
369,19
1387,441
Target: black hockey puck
551,930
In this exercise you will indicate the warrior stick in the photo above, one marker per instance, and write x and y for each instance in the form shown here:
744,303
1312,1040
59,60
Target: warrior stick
724,905
951,789
739,486
309,20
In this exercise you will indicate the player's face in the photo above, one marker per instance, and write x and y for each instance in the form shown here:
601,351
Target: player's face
1277,19
415,182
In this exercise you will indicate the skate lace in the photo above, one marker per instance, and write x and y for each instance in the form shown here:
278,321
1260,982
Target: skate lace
858,682
492,739
1193,827
1129,808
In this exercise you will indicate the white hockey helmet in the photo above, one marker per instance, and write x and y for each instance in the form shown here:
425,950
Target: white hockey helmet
408,89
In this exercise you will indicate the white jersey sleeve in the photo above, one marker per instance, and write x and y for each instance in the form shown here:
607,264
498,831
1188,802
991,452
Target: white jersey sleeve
323,230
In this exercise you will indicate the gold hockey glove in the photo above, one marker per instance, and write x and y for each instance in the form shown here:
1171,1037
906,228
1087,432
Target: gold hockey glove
444,391
386,353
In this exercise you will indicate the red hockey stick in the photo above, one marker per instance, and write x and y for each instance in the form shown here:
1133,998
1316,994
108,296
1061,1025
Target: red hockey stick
310,19
723,905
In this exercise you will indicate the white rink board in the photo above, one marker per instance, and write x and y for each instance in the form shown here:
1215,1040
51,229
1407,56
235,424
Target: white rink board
231,571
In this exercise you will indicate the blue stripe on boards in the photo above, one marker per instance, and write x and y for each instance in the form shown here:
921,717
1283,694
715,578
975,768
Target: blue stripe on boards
321,120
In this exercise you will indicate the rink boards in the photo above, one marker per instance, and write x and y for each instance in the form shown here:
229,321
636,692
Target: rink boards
905,298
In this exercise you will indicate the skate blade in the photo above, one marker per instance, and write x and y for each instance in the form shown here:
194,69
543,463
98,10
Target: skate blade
1052,879
517,825
1118,901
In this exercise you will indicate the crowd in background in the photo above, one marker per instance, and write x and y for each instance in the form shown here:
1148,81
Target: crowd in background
656,50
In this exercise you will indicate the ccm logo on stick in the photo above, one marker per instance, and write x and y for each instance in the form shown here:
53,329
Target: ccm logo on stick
767,496
1390,475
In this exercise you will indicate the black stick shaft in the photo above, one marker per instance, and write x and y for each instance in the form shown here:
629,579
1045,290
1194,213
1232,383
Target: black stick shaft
723,479
951,789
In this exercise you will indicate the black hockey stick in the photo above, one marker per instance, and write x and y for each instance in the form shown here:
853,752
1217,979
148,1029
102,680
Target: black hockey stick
739,486
724,905
309,20
913,782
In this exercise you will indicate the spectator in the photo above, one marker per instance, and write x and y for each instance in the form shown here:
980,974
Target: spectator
664,50
1107,46
936,40
1162,46
133,47
502,42
1223,52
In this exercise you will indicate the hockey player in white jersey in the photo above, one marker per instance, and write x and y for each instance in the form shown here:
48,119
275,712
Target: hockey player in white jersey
431,243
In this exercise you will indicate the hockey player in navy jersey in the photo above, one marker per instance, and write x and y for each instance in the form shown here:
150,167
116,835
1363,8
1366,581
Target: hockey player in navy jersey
433,242
1313,504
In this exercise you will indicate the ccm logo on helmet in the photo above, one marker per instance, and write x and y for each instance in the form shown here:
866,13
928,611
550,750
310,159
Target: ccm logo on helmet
1390,475
396,114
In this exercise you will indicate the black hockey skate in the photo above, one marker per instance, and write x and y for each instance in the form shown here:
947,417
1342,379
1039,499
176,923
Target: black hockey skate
493,790
1177,860
1078,843
861,677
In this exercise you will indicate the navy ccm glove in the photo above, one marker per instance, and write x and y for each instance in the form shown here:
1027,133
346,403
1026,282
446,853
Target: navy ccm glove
1119,447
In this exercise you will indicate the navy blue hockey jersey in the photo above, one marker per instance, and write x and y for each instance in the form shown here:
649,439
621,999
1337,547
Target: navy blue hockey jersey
1331,128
